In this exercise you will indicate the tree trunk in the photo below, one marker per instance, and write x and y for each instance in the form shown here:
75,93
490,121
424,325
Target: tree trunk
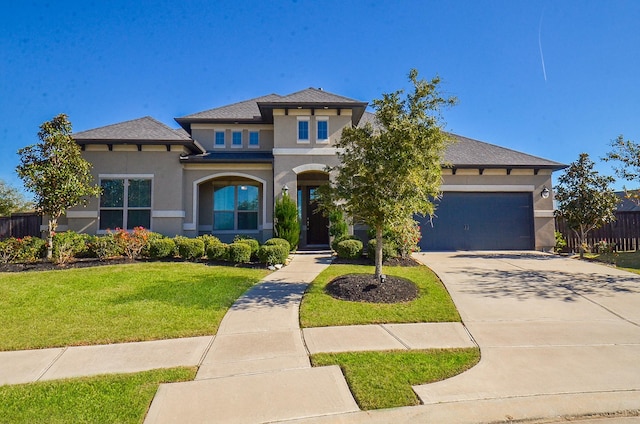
581,238
53,224
378,252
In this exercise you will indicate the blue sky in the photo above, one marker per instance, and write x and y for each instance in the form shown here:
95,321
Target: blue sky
549,78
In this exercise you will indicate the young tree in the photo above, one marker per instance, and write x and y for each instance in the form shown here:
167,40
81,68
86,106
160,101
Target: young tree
393,171
627,154
57,174
11,200
585,199
287,225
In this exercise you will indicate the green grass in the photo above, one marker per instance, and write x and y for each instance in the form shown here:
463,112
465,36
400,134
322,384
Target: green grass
629,261
117,398
434,304
117,303
384,379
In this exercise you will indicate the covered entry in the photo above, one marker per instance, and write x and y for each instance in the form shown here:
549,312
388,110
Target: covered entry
314,228
480,221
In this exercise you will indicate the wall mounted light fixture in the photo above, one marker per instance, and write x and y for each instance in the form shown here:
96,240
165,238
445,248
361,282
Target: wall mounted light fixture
545,192
285,189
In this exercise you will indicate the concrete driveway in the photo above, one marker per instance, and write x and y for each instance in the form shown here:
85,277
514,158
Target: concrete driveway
558,336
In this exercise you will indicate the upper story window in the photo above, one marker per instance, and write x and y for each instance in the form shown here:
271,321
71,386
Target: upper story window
322,125
303,130
219,139
125,203
236,139
254,139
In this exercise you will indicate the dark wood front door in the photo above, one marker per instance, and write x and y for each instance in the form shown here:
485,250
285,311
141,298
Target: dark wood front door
317,224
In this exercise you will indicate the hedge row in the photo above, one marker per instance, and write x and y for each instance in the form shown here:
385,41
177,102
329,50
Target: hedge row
141,243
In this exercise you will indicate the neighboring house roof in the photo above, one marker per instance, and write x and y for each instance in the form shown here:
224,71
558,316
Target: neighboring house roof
139,131
627,203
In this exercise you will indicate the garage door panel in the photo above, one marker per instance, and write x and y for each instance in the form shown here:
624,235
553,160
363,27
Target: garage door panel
480,221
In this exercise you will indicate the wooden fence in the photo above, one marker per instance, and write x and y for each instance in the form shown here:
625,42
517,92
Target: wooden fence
20,225
624,232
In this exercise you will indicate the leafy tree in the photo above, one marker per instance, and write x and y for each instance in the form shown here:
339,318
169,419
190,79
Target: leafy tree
287,225
585,199
627,154
57,174
11,200
393,171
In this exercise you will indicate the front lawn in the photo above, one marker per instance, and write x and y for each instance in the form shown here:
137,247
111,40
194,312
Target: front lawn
384,379
116,398
117,303
629,261
434,304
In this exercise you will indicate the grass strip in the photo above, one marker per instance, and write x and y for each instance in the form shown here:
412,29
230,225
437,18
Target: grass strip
384,379
629,261
117,303
434,304
115,398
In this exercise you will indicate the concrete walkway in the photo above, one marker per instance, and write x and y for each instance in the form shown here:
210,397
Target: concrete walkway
558,337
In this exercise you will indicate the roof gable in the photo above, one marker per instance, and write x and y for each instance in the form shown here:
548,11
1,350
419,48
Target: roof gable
245,110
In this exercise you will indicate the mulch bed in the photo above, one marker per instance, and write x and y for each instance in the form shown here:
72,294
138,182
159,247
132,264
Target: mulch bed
366,288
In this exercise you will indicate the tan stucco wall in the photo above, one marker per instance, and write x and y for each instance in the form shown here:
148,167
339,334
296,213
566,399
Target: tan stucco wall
197,185
162,166
205,135
286,127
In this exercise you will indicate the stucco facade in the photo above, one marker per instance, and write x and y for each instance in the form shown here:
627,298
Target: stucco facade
222,171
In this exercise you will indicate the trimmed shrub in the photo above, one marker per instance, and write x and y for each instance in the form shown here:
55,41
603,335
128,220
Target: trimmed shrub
218,252
561,243
286,221
208,240
272,254
151,237
27,249
160,248
239,253
253,243
189,249
389,250
349,249
67,245
106,247
277,242
334,243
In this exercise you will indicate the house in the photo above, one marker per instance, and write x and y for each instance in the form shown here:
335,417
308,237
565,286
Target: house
221,172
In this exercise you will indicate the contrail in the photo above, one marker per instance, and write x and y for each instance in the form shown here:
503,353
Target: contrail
544,71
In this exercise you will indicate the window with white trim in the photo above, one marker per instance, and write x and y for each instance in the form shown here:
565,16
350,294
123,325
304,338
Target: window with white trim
219,139
303,130
322,130
254,139
236,139
125,203
235,207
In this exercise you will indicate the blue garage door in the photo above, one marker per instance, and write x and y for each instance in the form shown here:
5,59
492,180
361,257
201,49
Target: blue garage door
480,221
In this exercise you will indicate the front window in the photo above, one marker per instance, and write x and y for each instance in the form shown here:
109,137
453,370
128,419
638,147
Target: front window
323,130
235,207
219,139
236,139
125,203
303,131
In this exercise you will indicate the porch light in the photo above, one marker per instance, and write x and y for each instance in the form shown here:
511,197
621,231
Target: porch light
285,189
545,192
